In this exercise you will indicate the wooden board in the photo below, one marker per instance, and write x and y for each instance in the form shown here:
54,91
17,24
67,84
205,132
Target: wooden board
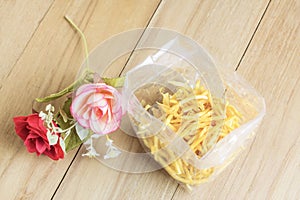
41,54
271,169
19,20
223,28
274,158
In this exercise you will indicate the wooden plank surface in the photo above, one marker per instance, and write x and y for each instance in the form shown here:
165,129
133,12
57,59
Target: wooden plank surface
271,64
19,20
260,37
224,28
271,169
50,62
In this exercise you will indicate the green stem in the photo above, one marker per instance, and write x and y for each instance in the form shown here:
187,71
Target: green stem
115,82
83,39
85,79
80,81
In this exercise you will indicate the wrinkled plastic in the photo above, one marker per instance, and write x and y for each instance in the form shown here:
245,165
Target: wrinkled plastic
164,67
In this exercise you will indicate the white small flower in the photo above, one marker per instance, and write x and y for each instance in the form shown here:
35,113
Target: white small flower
42,115
89,147
91,154
49,108
112,151
52,138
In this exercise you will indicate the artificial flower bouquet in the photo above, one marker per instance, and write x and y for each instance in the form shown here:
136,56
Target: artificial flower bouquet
190,117
92,108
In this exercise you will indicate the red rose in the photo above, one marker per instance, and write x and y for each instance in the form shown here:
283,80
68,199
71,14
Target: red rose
34,134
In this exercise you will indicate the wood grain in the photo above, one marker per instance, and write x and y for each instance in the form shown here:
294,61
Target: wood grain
19,20
41,54
48,63
275,73
223,28
270,170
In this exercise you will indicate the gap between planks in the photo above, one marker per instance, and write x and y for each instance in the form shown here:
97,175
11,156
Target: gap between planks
250,41
240,61
26,45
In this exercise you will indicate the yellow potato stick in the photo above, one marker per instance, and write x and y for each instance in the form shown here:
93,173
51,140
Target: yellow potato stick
173,101
155,142
168,120
166,99
189,113
147,107
178,170
197,142
187,174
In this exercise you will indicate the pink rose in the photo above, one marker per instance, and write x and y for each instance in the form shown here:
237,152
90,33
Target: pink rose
97,107
32,131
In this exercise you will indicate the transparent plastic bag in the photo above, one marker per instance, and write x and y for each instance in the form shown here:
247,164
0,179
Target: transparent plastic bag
174,62
178,64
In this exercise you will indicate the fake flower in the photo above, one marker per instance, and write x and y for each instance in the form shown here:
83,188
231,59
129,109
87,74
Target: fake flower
94,111
32,131
97,107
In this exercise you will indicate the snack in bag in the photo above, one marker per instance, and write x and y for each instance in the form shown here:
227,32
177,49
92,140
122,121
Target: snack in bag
192,120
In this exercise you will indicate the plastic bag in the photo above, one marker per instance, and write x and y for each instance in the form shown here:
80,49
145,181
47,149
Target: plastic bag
177,65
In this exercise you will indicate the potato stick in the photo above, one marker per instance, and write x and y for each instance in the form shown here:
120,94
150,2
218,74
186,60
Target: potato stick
191,169
204,147
173,128
164,107
188,187
233,111
152,148
192,139
175,121
187,173
146,143
155,142
203,125
198,85
176,177
189,112
205,114
173,101
197,142
188,130
166,99
147,107
176,163
168,120
179,161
